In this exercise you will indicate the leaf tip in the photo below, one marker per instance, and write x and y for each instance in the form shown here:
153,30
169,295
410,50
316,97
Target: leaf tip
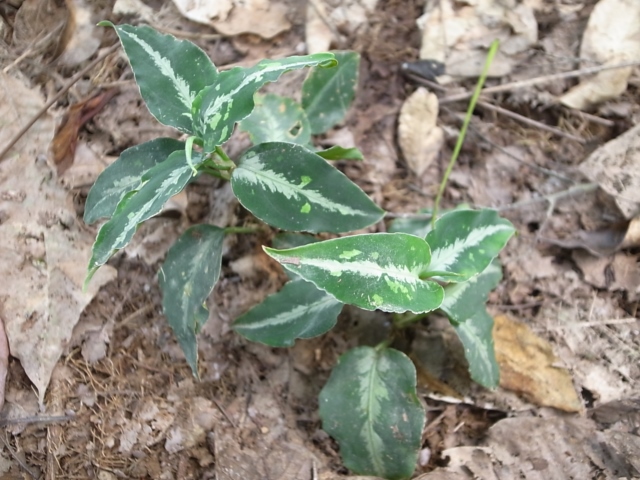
105,23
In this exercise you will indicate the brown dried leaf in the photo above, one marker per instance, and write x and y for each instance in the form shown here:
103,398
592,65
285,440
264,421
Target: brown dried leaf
44,251
529,367
63,146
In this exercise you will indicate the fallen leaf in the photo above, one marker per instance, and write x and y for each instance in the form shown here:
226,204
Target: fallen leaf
4,361
63,146
419,137
616,272
458,34
612,37
43,249
529,367
81,37
615,167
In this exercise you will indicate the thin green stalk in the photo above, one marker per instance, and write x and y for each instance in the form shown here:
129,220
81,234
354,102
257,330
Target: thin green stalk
465,125
223,155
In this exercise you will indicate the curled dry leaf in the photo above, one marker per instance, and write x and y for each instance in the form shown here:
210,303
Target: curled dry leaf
43,250
63,146
612,37
419,137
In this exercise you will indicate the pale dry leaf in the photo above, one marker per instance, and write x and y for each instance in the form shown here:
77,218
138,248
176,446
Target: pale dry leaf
318,34
612,37
43,248
615,167
133,7
81,37
420,138
4,361
459,34
529,367
204,11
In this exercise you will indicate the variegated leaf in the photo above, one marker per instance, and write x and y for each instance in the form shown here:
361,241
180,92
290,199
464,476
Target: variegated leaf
327,94
169,72
464,242
220,106
291,188
187,277
277,119
372,271
476,335
298,310
370,406
462,300
125,175
158,185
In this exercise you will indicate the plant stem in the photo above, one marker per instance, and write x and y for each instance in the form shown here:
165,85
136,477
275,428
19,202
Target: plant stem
465,125
223,155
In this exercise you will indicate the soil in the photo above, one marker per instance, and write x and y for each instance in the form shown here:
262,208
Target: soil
122,402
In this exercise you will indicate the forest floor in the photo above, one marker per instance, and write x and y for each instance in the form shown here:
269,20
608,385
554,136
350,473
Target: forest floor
121,401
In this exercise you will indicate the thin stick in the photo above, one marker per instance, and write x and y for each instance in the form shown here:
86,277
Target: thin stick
529,121
57,97
37,419
539,80
465,125
552,198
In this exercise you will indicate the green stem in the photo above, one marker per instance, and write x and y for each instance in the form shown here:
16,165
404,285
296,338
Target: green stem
401,321
223,155
465,125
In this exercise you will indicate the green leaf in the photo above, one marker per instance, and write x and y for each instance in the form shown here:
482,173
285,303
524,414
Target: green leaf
291,188
125,175
462,300
298,310
187,277
168,71
158,185
277,119
464,242
340,153
327,94
476,335
371,271
220,106
413,226
370,406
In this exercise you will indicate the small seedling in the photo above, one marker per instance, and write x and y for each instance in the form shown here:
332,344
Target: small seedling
369,404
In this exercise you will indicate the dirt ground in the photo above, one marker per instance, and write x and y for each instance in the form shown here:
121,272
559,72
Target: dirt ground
122,402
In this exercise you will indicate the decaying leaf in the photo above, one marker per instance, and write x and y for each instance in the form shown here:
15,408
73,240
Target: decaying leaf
459,33
81,37
63,146
234,17
612,37
528,367
4,360
43,250
419,137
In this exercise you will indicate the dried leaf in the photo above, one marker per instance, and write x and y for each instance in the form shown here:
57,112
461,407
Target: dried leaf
4,361
81,37
419,137
615,167
528,367
63,146
43,248
612,37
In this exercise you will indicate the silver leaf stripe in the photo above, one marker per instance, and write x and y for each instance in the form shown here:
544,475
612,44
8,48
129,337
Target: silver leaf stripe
254,77
372,394
185,94
442,258
134,218
255,172
291,315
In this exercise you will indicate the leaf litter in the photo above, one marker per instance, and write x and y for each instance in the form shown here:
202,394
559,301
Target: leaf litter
137,413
